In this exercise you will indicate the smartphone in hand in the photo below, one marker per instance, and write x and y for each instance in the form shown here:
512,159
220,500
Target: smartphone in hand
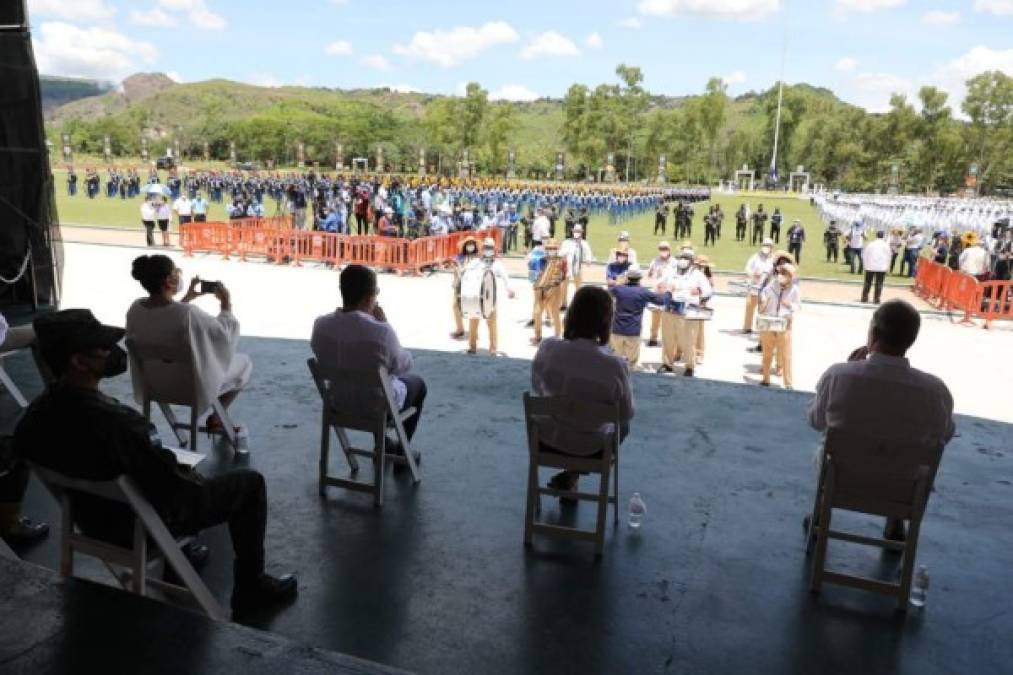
209,287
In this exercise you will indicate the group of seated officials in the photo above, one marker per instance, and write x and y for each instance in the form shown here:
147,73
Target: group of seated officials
76,430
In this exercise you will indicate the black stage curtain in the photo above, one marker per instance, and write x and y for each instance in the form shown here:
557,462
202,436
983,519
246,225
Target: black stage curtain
28,219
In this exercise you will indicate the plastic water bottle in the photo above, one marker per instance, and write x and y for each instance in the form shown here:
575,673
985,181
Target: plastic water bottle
920,587
637,510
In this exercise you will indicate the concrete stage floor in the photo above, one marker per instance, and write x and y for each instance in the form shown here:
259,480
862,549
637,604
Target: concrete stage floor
438,581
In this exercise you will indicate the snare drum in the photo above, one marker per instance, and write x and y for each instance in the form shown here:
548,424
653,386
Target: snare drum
698,313
771,324
478,293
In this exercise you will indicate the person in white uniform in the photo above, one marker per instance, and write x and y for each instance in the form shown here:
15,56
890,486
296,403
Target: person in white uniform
576,251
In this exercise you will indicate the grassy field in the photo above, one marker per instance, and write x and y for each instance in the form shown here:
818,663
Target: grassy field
727,255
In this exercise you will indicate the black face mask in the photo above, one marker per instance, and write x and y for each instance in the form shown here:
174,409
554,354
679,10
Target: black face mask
116,362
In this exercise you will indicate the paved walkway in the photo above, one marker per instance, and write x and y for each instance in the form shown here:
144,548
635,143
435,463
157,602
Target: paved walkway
814,290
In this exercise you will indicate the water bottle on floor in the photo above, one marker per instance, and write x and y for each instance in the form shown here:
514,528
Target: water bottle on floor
637,510
920,587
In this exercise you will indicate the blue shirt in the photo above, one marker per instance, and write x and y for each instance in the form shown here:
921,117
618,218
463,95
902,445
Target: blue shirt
629,310
615,270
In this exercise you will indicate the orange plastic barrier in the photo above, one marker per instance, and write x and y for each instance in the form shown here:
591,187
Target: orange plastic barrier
995,301
963,292
265,238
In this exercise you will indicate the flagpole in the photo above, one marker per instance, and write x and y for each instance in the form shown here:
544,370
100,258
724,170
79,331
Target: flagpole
780,100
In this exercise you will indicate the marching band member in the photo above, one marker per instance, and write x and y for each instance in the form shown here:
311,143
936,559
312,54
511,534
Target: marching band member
488,262
779,298
548,288
615,271
469,252
659,270
575,251
757,268
678,334
623,245
703,263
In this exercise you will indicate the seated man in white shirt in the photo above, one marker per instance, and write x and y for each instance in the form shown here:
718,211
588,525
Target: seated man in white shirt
357,336
580,365
877,393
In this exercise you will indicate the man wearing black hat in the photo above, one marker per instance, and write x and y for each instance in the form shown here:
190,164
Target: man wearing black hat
76,430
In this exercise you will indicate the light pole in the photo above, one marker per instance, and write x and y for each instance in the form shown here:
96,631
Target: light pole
629,151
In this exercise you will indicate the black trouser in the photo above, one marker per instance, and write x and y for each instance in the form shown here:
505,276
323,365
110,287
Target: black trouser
660,222
757,234
414,398
149,231
238,498
878,277
708,235
775,233
854,254
740,231
795,248
832,252
360,224
893,260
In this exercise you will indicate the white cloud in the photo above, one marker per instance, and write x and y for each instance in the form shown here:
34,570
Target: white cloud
594,41
152,17
401,88
734,78
376,61
175,76
938,17
63,49
631,22
338,48
872,91
513,92
549,43
448,48
265,80
952,77
846,65
997,7
75,10
722,9
200,15
868,5
339,3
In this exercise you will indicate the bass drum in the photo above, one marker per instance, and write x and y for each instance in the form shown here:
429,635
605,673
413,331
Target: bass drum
478,293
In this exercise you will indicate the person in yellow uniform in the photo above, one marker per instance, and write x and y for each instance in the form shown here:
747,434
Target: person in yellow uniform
781,298
703,263
657,273
678,334
468,254
757,269
548,288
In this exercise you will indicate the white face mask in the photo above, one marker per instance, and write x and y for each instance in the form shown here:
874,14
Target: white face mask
765,250
683,264
783,279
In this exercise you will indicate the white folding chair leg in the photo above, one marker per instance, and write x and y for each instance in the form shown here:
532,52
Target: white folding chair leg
346,447
8,383
229,427
174,424
194,417
409,454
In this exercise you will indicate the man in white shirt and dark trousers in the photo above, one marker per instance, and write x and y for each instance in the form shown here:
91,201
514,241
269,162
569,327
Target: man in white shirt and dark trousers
878,394
876,259
357,336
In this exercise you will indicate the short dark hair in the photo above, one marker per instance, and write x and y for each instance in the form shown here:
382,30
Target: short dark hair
895,325
357,283
589,315
152,271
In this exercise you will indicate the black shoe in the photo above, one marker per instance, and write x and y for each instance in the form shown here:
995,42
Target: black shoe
652,343
25,531
665,369
530,324
688,372
262,592
563,308
764,384
755,350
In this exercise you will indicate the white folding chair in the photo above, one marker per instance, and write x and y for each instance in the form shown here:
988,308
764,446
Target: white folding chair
875,477
360,400
8,383
168,378
137,577
603,462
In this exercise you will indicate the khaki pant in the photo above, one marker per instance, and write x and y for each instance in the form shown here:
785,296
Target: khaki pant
669,337
779,343
628,347
700,340
688,331
751,302
547,301
458,317
473,333
655,324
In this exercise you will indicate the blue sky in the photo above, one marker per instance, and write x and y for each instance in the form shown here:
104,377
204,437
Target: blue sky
862,49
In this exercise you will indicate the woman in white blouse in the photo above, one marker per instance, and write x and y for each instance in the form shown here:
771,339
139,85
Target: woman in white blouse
160,320
581,366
